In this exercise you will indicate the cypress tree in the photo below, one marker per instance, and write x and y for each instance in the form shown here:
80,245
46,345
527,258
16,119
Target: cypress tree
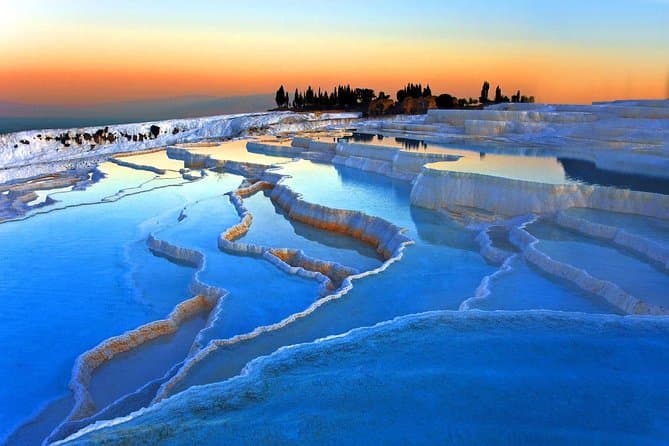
280,97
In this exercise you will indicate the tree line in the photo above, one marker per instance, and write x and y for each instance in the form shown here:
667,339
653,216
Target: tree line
342,96
347,97
500,97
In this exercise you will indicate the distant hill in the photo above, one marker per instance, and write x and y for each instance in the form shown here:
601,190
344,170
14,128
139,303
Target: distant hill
16,116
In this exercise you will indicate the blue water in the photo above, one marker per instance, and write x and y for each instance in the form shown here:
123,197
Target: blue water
529,165
260,293
447,378
70,279
440,271
79,271
634,275
651,228
271,228
524,288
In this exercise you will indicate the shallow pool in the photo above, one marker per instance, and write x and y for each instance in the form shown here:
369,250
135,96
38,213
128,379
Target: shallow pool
79,270
516,163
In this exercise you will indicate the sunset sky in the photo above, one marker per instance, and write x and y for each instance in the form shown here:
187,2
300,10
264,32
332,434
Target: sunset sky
82,52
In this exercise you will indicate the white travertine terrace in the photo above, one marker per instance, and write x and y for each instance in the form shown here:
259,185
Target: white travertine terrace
629,137
206,298
385,236
642,246
387,161
88,362
274,149
437,188
334,278
488,251
460,117
147,167
18,199
389,240
45,146
610,291
190,257
368,229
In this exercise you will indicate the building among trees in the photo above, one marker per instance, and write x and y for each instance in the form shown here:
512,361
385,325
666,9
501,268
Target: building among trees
413,98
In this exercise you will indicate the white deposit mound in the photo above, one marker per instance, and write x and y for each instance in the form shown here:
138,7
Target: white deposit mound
614,157
66,148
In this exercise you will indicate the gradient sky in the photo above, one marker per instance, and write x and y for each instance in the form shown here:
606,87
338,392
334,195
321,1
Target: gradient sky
82,52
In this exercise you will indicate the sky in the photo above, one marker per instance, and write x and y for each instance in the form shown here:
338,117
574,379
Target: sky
73,52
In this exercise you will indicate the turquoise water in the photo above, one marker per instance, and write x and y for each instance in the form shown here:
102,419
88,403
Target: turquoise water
79,271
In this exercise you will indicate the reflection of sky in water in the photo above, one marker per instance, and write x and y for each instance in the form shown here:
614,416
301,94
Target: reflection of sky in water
543,170
236,151
527,168
156,159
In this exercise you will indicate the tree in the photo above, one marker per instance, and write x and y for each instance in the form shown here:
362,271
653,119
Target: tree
485,91
427,92
281,97
401,94
446,101
498,95
364,95
296,99
309,97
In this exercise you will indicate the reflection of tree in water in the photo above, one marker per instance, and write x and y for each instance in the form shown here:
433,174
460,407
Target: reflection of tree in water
411,144
406,143
363,137
588,172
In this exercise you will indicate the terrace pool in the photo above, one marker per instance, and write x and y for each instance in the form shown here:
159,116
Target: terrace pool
417,319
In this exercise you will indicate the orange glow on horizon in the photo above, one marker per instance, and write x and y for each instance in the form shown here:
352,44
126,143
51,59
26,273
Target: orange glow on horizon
73,67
